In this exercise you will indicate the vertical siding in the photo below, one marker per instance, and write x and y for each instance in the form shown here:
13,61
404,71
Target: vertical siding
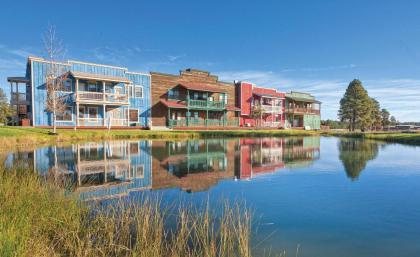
42,118
142,104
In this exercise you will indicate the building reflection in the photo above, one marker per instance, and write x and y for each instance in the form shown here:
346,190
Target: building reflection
193,165
98,170
267,155
116,168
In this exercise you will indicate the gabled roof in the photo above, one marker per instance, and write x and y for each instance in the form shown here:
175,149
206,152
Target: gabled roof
202,87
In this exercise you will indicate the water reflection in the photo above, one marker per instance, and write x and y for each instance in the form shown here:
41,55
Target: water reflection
115,168
355,153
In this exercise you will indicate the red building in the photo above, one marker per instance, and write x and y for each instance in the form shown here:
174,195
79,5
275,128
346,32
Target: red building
252,98
260,156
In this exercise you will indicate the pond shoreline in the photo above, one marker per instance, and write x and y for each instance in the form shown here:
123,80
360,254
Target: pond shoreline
15,138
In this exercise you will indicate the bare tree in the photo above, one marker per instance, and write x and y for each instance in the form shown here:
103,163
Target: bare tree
256,114
56,102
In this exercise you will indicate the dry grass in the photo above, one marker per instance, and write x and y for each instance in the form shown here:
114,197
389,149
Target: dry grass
37,219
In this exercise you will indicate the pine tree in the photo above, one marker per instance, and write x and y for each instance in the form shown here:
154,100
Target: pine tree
376,114
385,117
355,106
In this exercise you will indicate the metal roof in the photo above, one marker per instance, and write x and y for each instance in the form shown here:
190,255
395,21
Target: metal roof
84,75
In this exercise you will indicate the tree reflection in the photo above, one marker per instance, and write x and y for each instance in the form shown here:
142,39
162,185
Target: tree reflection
355,153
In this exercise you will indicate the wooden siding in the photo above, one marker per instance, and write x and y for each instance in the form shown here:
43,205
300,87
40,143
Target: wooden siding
161,83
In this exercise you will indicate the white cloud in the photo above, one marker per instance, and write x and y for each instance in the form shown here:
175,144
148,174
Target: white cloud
400,96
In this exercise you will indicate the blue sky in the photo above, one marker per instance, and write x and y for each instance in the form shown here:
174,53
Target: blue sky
314,46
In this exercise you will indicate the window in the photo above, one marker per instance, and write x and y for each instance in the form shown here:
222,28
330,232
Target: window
82,111
93,112
223,98
137,171
108,87
195,115
66,115
67,85
118,90
134,115
82,86
92,87
138,91
130,90
173,94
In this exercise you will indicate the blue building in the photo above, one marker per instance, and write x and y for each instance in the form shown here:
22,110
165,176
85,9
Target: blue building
98,96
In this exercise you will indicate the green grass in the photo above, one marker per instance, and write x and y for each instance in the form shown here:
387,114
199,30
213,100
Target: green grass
390,137
37,219
13,138
17,137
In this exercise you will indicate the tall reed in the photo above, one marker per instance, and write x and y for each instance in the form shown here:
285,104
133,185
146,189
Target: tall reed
37,219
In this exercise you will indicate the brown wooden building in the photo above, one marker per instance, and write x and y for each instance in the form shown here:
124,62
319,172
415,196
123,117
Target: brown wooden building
194,165
193,99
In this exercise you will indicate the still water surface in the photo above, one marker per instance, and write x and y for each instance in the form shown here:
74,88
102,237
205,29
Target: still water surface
325,196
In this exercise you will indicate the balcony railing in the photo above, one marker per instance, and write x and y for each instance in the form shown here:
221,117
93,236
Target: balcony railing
273,124
271,108
102,97
205,104
201,104
303,110
204,123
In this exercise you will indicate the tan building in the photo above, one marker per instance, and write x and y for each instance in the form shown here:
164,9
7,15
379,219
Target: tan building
192,99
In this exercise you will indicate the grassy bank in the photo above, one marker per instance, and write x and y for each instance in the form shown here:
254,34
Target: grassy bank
37,219
389,137
15,137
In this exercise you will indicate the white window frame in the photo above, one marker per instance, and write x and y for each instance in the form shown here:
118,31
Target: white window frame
118,88
135,170
130,89
97,112
132,121
72,119
135,92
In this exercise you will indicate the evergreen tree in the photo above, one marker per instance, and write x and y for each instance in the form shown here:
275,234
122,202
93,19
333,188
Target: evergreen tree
355,153
385,117
393,121
355,106
376,114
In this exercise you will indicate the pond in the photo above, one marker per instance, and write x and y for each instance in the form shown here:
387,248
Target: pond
318,196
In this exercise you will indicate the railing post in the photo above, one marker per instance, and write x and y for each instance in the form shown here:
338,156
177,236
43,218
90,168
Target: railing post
103,90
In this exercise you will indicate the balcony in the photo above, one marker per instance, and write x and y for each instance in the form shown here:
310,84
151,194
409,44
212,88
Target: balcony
271,108
99,97
303,111
205,104
204,123
199,104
